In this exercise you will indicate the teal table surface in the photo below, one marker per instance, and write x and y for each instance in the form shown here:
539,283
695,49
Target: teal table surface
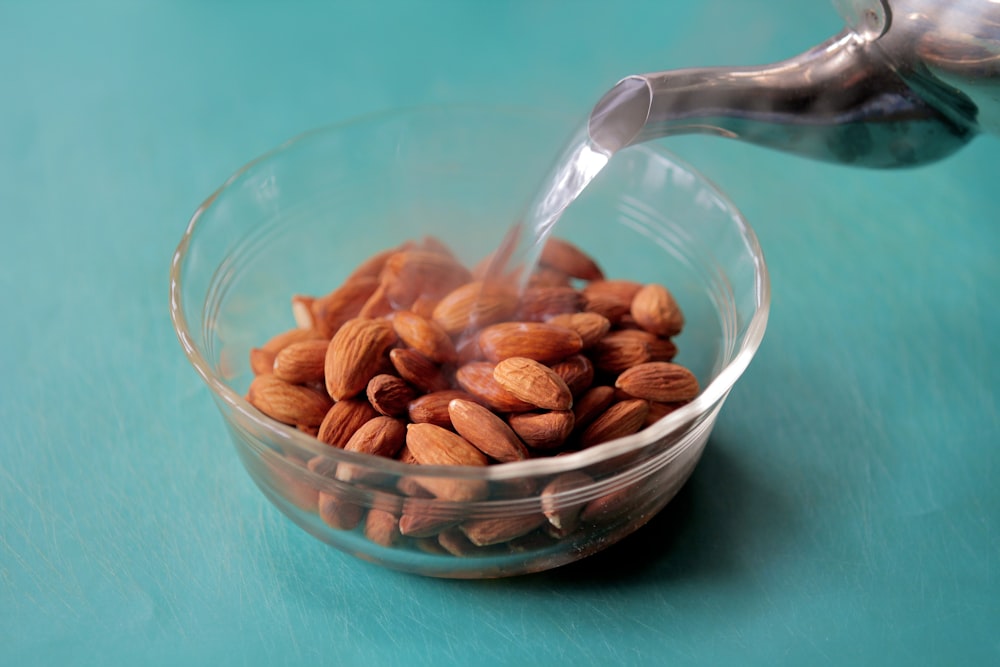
845,511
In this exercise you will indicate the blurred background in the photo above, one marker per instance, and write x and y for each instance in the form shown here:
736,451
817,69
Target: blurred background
844,513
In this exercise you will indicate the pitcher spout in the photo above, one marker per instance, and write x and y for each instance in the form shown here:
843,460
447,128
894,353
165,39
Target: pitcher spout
840,102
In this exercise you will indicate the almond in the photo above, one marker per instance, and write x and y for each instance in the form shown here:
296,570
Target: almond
343,419
577,372
610,307
411,274
457,544
418,370
342,304
593,403
377,305
417,522
433,445
382,527
659,381
424,307
477,379
558,504
540,341
282,340
472,306
495,530
533,383
379,436
390,395
301,362
433,408
621,419
425,336
355,355
288,403
662,349
445,488
261,361
539,304
568,258
302,311
543,430
615,505
654,309
621,290
657,348
618,351
486,431
547,276
591,327
338,512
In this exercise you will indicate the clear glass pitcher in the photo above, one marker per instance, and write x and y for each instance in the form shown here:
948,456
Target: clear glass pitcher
907,82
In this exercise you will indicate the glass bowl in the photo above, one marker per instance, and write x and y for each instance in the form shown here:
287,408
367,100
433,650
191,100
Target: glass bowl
299,219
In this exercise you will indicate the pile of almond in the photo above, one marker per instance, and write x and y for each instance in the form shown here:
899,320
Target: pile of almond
416,357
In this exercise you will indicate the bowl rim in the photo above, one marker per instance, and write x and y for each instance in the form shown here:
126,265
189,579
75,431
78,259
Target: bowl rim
672,424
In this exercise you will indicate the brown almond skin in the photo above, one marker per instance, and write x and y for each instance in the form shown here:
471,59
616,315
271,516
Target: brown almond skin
621,289
539,304
477,379
577,372
416,523
261,361
547,276
355,355
608,306
377,305
411,274
432,408
433,445
343,419
563,515
424,307
592,404
495,530
591,327
338,512
331,311
425,336
660,381
568,258
288,403
486,431
543,430
301,362
382,527
472,306
543,342
619,351
379,436
533,382
621,419
280,341
654,309
418,370
390,395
